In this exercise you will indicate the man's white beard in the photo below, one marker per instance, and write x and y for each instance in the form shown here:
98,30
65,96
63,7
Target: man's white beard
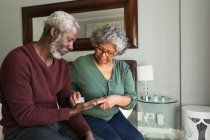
53,48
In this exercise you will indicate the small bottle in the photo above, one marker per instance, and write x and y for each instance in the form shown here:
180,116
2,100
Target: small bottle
163,98
81,100
155,97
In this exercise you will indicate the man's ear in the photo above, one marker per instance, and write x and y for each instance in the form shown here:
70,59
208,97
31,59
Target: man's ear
54,32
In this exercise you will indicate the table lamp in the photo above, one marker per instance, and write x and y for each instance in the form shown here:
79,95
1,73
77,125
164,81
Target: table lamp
145,74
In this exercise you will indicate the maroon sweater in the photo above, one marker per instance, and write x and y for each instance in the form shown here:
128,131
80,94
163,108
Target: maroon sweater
31,91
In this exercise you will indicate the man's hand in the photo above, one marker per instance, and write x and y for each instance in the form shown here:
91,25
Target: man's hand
86,105
79,107
88,136
74,98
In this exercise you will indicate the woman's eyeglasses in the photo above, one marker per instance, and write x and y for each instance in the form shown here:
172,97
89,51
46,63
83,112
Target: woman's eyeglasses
107,53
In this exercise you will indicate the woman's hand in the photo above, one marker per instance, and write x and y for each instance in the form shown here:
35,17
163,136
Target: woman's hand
112,100
108,101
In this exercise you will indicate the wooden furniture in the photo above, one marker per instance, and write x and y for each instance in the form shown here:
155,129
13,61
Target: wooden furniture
133,67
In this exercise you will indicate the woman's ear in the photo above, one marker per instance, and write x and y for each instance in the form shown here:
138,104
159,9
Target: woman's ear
54,32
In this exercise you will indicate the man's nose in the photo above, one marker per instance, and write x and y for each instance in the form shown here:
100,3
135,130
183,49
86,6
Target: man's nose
70,46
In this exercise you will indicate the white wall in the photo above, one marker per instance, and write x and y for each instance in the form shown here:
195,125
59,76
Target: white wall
195,52
158,43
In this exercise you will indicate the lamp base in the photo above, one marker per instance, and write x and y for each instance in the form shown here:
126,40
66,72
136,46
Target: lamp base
145,97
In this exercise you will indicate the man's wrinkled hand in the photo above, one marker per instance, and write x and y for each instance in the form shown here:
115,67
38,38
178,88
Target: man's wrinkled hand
88,136
87,105
73,99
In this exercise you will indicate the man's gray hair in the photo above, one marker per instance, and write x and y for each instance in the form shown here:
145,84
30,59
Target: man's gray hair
63,21
112,34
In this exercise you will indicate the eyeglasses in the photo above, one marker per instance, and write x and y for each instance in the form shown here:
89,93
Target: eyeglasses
107,53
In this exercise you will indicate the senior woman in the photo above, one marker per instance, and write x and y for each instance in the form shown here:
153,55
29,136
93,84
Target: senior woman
100,76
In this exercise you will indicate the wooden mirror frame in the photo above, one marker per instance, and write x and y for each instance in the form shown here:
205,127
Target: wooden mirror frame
83,44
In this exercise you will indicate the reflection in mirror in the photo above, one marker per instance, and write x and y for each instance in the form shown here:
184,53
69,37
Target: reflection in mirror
88,21
38,26
129,7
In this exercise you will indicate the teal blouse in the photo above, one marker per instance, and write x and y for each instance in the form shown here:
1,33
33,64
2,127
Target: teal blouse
90,82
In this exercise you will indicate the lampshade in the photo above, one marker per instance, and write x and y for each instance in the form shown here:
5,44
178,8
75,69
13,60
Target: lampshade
145,73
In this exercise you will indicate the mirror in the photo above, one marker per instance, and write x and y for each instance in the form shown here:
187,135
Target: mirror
88,21
129,7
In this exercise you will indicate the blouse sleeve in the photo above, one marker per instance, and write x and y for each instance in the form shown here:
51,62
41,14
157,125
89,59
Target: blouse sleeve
129,88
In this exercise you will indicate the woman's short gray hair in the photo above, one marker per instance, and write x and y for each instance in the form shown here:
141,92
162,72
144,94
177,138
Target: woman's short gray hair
61,20
113,34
